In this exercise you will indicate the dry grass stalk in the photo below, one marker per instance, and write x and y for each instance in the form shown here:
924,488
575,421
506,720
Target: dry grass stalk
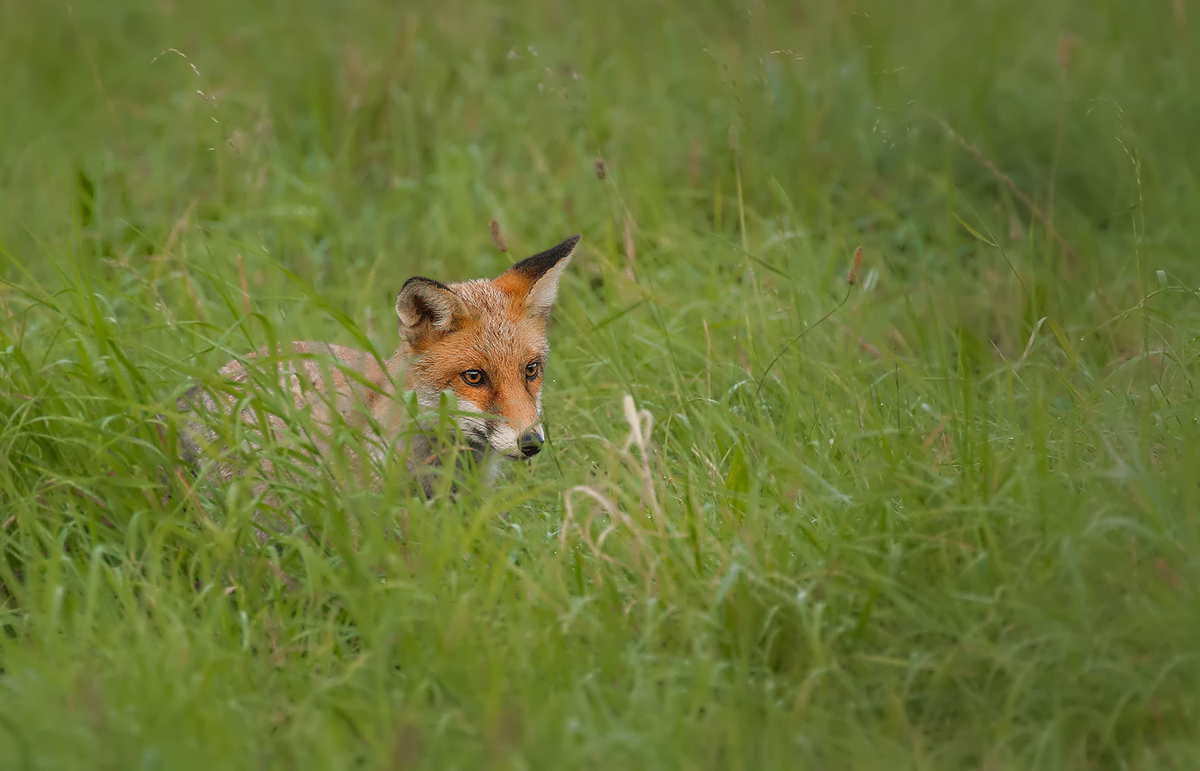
1029,345
640,424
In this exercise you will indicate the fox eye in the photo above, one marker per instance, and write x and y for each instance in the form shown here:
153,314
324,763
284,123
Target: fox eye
473,377
532,369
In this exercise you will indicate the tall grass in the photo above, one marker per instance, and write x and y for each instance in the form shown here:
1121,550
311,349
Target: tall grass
944,516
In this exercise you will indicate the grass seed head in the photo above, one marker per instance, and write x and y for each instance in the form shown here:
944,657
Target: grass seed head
1066,44
497,236
852,276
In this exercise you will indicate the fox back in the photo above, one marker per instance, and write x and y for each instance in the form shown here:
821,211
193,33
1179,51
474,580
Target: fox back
483,340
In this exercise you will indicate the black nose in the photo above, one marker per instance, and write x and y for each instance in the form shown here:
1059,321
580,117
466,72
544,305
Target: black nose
530,443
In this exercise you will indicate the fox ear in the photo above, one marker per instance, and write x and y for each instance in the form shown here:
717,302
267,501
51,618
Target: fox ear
425,306
535,279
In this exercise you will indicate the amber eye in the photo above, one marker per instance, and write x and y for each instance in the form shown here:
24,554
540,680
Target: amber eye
532,369
473,377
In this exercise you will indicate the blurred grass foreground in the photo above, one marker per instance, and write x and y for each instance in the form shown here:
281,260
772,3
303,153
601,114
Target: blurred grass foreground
946,516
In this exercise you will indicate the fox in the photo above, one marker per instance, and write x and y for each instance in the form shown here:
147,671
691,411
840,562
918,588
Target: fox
482,340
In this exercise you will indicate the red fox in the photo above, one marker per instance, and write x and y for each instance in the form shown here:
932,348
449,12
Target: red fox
483,340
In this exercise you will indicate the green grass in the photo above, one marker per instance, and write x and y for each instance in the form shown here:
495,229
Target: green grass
945,518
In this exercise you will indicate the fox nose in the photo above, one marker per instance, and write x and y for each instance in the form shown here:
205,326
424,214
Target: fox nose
530,443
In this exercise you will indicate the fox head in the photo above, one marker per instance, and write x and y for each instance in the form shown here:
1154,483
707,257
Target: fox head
485,340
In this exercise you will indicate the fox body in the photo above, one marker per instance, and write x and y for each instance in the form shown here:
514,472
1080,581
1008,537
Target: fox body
483,340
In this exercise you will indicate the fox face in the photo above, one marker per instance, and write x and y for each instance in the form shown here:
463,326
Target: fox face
485,340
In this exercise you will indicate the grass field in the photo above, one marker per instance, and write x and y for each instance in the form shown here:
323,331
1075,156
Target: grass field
944,517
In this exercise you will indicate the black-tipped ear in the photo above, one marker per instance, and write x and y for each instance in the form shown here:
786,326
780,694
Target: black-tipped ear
536,278
425,305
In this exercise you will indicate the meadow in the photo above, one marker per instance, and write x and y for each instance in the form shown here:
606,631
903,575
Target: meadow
938,509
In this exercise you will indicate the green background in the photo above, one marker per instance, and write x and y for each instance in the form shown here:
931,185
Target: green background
943,518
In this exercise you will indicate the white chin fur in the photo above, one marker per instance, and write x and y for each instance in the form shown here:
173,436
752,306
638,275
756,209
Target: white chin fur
504,438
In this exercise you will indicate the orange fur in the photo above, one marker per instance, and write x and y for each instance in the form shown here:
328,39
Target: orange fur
496,327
